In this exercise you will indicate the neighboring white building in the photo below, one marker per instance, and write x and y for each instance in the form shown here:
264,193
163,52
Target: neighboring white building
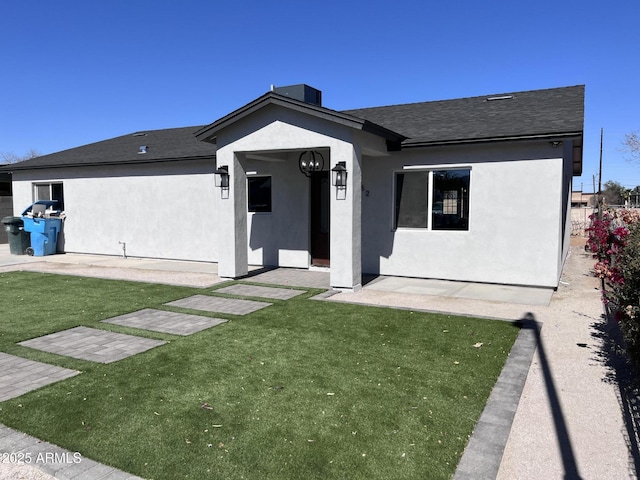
475,189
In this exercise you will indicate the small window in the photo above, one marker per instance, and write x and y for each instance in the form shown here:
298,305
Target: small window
450,200
259,194
448,207
49,191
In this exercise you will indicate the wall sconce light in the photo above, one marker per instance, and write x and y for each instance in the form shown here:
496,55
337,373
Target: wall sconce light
221,176
339,175
310,162
555,143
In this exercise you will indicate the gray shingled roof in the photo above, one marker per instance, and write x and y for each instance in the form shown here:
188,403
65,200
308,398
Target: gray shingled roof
537,113
550,113
162,145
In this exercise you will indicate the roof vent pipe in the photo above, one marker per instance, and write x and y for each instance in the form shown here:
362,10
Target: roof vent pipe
142,149
499,97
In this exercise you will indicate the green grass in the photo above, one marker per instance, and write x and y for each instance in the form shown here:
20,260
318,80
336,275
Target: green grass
301,389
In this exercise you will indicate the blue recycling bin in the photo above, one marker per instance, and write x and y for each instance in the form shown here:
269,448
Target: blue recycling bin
43,230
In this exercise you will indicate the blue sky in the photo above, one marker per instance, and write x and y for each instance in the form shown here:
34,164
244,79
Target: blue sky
75,72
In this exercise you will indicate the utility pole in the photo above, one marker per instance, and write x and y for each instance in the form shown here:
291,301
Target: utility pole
600,177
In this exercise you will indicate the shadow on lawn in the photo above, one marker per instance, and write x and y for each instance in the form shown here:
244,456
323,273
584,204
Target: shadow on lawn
623,375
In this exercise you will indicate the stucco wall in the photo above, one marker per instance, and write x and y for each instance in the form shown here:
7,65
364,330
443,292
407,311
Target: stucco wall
164,211
502,244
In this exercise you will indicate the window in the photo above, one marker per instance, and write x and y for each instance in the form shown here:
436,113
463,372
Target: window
450,200
412,199
436,199
49,191
259,194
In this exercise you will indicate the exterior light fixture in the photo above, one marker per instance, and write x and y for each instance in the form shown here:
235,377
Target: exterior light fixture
555,143
221,176
310,162
339,175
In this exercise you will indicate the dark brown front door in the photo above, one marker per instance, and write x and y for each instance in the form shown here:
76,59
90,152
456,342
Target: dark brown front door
320,218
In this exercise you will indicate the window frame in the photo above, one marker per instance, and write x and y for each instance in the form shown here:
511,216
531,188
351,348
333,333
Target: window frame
430,186
50,186
249,205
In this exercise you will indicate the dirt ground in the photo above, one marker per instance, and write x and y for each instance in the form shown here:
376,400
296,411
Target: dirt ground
578,241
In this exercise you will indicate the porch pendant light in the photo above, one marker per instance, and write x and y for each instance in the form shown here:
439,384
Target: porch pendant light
221,176
339,175
310,161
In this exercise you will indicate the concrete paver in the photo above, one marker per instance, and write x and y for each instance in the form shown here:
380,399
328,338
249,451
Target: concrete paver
258,291
219,304
165,322
91,344
20,375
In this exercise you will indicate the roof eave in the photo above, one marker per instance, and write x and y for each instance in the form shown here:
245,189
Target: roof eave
18,167
413,143
575,135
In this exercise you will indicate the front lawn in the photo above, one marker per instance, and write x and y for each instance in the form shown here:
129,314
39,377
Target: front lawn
301,389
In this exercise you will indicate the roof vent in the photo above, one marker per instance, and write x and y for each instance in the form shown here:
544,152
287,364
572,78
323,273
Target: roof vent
499,97
301,92
139,134
142,149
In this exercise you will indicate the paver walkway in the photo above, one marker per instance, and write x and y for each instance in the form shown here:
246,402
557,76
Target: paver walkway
258,291
219,304
91,344
20,375
165,322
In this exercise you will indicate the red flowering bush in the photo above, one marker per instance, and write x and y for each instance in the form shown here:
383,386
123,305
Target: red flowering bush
607,239
614,241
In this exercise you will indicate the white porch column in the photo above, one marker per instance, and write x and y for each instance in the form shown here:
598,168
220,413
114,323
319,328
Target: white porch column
346,221
230,234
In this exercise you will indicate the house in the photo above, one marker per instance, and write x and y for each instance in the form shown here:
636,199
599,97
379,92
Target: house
580,199
431,190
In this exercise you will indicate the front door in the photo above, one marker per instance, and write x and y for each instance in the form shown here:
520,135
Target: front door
320,219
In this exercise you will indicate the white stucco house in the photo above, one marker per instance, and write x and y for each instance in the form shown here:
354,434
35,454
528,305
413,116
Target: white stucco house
472,189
